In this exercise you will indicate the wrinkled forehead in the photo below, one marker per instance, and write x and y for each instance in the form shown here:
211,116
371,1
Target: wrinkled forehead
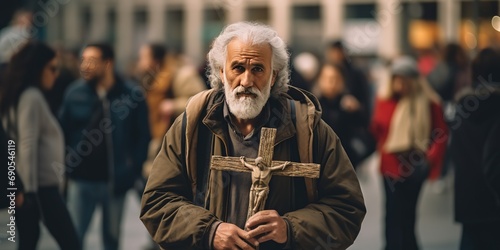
238,49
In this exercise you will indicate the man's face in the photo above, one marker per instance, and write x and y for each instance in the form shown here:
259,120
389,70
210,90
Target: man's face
92,66
146,63
248,78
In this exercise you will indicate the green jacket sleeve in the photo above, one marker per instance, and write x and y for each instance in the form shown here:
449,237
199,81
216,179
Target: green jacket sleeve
334,220
168,213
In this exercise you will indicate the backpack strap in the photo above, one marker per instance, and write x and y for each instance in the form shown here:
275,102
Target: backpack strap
205,137
309,182
183,135
293,114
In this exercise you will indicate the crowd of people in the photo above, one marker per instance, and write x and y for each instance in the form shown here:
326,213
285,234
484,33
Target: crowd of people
87,134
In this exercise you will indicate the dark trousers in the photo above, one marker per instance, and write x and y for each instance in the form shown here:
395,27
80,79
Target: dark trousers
480,236
48,206
401,206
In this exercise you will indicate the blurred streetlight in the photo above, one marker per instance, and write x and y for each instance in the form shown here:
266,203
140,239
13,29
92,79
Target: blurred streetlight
495,22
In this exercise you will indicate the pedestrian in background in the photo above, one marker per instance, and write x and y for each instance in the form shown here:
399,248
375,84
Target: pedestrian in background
343,113
14,36
475,145
355,79
448,78
105,122
169,83
411,138
451,74
69,63
28,120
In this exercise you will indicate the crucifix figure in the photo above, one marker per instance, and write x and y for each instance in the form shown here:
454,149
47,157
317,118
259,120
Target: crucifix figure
261,176
263,169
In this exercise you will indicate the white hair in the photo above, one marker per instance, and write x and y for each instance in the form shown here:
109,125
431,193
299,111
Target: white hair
254,34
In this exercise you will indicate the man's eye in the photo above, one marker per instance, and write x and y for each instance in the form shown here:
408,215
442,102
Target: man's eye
239,68
258,69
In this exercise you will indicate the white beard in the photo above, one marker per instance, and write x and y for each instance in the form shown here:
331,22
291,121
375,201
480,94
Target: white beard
246,107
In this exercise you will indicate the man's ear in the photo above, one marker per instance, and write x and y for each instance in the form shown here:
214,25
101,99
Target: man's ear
109,64
273,80
221,74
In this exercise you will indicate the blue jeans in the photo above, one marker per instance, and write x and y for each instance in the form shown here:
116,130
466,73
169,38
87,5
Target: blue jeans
83,197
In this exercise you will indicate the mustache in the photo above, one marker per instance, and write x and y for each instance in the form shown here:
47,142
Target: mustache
240,90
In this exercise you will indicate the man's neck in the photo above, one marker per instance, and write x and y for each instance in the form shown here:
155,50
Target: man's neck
107,82
245,126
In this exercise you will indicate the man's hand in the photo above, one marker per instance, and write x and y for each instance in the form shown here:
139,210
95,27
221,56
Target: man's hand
20,199
167,108
229,236
267,225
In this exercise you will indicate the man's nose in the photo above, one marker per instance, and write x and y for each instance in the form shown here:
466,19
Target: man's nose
247,79
85,66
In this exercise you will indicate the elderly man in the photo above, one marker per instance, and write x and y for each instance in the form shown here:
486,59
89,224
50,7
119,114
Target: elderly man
188,205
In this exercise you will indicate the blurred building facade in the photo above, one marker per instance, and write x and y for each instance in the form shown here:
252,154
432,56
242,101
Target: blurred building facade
383,28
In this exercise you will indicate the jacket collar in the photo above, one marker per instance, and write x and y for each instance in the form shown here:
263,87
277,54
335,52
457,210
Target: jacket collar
115,91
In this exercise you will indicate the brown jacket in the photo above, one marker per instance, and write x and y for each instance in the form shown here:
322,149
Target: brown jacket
179,207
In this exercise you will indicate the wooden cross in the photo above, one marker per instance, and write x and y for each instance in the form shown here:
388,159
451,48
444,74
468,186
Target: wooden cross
263,169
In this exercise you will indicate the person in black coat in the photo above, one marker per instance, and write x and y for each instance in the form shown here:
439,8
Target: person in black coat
342,111
475,152
355,79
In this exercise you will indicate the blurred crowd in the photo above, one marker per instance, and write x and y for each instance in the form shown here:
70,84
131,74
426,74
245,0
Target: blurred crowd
86,134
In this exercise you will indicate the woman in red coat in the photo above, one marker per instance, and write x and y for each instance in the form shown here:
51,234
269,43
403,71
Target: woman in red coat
411,138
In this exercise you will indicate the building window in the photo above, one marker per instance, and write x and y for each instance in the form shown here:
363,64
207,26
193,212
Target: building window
140,28
258,14
307,29
360,11
361,31
111,19
311,13
175,29
86,17
214,22
420,27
